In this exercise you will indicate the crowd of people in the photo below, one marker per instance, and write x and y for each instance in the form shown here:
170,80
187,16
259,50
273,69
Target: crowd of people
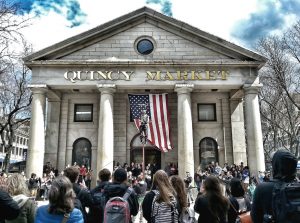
223,193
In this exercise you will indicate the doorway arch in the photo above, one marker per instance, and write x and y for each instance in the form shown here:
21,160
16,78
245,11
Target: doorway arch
82,152
208,151
152,153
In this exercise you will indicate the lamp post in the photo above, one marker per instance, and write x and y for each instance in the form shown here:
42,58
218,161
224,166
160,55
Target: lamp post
144,132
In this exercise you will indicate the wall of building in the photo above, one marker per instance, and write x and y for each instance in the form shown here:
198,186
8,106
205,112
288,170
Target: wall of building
124,130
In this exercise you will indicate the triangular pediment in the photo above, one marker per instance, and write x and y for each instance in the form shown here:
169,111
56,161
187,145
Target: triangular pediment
174,41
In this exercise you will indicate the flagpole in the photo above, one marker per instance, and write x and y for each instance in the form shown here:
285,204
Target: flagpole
143,133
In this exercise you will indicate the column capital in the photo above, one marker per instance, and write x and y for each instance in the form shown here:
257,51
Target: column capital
252,88
106,88
38,88
184,88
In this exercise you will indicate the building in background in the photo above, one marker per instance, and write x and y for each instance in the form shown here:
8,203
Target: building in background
212,97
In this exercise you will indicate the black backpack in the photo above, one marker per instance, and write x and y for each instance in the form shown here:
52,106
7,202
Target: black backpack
286,202
97,209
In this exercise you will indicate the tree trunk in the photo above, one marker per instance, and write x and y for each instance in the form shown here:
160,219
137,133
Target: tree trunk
6,161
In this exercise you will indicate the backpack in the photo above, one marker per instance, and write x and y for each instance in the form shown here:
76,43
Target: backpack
97,209
163,212
117,209
286,202
187,216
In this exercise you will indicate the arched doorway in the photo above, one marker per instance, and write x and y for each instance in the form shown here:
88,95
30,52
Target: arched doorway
152,153
81,153
208,151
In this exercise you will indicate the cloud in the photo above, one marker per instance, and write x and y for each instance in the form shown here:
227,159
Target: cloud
166,6
269,19
70,9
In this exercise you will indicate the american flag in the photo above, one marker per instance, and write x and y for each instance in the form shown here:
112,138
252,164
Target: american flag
157,110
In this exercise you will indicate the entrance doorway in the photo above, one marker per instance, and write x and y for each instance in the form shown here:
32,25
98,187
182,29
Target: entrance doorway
152,154
208,151
81,153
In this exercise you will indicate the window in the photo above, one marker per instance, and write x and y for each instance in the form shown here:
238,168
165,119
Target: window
207,112
145,47
83,113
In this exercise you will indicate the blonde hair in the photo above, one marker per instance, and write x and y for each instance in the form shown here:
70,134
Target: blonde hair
17,185
178,185
3,184
161,182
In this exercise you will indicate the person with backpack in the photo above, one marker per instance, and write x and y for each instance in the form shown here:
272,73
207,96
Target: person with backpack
83,197
121,200
96,210
276,200
212,205
160,204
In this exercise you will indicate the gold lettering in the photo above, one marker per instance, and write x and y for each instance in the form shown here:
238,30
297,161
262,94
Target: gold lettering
151,76
182,76
70,78
127,74
207,74
224,75
195,75
212,75
92,75
79,75
108,75
101,75
169,76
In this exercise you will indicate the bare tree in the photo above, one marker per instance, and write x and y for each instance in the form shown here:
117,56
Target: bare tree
15,97
10,26
15,100
279,98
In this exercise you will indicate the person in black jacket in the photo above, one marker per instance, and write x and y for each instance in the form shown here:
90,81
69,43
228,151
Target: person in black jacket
119,187
83,196
284,169
9,208
96,210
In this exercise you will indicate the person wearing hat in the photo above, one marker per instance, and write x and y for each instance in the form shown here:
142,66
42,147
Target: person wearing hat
118,188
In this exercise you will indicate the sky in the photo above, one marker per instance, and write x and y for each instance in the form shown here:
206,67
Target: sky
242,22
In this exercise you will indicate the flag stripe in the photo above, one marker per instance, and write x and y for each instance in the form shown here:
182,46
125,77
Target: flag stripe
167,121
155,120
165,146
159,123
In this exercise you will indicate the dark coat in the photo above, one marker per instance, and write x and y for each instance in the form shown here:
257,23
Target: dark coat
85,198
9,208
284,169
95,213
147,205
118,190
205,215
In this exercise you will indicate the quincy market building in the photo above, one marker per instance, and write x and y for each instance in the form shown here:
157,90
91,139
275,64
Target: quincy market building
80,96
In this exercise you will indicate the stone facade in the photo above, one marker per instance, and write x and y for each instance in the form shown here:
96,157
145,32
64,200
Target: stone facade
102,66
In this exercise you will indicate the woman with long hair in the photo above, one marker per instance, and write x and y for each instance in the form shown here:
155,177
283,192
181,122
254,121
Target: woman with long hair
61,204
212,205
162,193
17,188
178,185
239,203
186,214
